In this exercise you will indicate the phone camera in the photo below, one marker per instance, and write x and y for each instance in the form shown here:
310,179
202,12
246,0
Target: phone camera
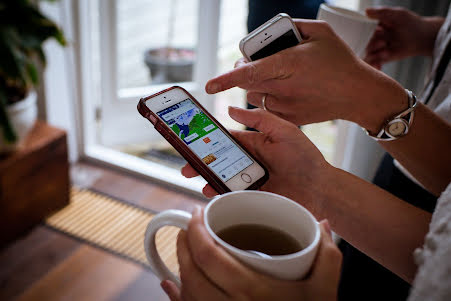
266,33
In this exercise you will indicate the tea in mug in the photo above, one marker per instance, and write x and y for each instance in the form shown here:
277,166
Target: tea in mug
260,238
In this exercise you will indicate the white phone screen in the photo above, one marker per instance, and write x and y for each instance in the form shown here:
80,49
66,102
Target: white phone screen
205,139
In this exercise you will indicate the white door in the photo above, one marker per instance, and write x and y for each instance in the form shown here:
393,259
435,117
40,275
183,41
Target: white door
127,29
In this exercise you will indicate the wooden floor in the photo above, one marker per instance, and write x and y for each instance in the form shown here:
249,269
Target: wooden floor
47,265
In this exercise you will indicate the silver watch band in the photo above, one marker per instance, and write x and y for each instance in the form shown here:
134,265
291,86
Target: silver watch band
405,117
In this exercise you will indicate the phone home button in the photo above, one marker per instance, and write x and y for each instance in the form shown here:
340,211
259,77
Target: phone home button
246,178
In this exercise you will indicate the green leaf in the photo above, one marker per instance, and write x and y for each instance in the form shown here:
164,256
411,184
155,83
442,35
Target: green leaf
32,73
41,56
23,30
8,64
59,36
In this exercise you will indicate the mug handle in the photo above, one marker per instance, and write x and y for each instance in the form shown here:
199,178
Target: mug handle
175,218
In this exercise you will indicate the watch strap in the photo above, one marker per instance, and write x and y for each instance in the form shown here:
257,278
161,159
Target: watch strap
406,117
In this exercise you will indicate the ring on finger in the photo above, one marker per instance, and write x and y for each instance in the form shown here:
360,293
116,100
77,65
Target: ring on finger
264,102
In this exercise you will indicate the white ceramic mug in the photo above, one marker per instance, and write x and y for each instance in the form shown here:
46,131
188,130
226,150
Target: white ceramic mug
354,28
246,207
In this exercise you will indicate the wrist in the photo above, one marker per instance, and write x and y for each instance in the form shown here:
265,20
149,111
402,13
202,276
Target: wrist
427,35
380,98
326,188
329,203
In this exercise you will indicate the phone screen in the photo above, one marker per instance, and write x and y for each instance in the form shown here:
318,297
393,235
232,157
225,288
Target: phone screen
205,139
285,41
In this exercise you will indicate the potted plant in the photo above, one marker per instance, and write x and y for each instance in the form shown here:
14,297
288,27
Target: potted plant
170,64
23,30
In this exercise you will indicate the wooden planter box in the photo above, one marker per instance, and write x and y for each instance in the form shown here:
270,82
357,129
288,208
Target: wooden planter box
34,181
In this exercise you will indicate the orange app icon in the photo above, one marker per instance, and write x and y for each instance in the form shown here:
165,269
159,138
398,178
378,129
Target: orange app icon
206,140
208,159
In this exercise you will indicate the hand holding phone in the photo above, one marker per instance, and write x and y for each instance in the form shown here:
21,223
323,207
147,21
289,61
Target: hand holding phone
275,35
202,141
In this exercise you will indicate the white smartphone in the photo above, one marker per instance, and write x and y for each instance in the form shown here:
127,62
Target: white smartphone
202,141
273,36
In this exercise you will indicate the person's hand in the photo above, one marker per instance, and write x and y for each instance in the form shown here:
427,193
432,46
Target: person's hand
401,33
320,79
296,167
208,272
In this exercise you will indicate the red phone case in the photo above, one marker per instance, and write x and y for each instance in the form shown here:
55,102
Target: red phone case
184,150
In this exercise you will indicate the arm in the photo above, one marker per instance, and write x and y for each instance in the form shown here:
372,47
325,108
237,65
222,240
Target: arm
381,225
340,86
424,151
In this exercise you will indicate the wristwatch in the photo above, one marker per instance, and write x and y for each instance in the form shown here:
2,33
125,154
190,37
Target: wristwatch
398,125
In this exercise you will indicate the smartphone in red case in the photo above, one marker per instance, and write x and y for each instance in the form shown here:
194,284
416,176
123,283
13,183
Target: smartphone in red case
207,146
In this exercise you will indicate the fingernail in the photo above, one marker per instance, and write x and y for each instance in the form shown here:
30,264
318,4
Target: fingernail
232,111
196,210
213,88
164,286
327,226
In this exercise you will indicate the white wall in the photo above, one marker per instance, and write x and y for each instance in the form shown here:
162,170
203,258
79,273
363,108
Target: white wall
357,153
59,76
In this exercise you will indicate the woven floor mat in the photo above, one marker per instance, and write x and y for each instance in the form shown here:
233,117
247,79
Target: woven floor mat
114,226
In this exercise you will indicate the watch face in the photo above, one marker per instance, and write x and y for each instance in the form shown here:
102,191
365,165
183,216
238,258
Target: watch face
396,128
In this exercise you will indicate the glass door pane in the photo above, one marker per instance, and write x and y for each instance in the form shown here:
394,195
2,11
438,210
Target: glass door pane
156,41
156,44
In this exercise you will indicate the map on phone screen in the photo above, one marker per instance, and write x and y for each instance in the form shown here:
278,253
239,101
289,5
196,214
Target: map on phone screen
205,139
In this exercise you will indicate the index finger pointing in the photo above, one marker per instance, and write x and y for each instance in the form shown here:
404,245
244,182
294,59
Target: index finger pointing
246,75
